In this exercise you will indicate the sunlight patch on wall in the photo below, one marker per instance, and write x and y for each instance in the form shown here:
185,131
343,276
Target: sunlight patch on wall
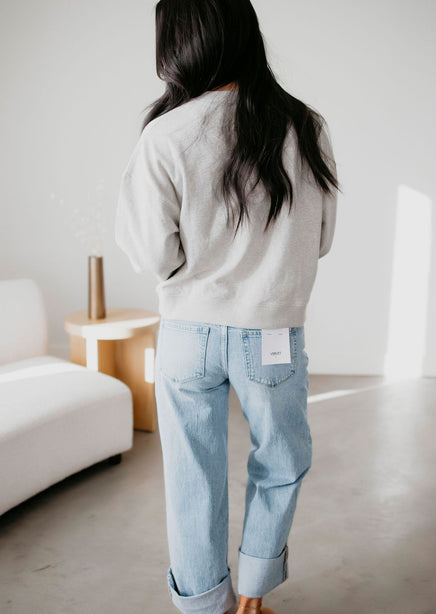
407,326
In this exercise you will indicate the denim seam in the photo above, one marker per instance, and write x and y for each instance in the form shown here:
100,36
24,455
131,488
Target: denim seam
224,357
247,361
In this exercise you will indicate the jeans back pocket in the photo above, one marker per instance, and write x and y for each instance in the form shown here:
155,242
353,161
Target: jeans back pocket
269,375
182,350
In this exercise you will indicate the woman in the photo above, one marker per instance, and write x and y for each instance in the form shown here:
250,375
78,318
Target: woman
226,141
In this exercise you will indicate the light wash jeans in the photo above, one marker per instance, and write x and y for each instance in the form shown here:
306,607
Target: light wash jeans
195,364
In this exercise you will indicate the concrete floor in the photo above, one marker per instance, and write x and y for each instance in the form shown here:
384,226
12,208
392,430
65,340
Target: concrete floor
363,539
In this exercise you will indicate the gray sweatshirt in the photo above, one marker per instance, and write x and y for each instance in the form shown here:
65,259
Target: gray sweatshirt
171,221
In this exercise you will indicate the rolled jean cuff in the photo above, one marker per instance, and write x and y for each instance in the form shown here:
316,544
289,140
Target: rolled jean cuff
257,576
216,600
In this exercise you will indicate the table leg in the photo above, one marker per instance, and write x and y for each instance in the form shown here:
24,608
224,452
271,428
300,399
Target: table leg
134,365
84,352
92,353
130,360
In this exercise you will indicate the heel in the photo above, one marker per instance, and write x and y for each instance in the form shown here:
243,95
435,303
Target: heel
254,610
249,605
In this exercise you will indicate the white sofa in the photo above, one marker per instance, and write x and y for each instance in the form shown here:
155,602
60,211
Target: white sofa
56,417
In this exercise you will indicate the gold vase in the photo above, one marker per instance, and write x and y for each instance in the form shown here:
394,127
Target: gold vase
96,301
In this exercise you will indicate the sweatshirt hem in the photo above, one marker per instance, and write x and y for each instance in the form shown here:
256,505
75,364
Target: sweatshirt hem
235,313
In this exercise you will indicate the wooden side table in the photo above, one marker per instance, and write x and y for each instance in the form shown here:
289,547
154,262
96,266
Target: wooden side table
122,345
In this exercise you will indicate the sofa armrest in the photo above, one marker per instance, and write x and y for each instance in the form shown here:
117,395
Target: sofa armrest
23,320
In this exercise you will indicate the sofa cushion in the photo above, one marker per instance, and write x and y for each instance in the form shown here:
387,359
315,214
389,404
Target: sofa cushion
57,418
36,390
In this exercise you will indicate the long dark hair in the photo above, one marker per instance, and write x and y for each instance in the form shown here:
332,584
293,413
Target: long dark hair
205,44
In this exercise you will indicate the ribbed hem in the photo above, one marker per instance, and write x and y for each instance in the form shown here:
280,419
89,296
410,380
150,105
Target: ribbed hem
216,600
231,313
258,576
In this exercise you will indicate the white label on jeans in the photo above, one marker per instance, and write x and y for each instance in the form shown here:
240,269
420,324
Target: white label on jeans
276,347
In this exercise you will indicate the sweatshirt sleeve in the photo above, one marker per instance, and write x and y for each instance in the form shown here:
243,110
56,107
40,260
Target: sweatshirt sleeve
148,212
330,202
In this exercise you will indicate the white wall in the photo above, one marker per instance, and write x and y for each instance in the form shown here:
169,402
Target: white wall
75,78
